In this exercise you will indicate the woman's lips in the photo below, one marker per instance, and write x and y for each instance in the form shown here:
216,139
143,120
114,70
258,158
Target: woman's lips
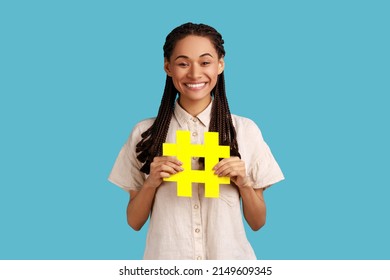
195,85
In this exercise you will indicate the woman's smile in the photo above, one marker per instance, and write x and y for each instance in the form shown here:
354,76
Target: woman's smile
194,67
195,86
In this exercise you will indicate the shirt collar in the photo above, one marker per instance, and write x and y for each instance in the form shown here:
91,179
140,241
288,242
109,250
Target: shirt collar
183,117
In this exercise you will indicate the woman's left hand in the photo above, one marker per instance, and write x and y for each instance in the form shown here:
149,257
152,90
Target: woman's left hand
234,168
252,199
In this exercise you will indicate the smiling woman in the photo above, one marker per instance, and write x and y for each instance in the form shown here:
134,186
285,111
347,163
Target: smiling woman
195,227
194,67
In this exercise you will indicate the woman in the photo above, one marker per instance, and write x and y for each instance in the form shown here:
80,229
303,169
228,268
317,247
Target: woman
195,227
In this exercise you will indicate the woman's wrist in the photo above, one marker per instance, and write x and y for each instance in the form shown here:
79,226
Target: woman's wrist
246,184
149,185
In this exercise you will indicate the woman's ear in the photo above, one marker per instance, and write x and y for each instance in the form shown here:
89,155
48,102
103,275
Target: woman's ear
167,67
221,65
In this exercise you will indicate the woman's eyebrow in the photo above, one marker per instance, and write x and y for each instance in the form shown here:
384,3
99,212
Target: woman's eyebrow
186,57
205,54
181,56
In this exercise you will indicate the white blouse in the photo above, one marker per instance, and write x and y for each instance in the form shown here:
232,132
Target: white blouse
197,227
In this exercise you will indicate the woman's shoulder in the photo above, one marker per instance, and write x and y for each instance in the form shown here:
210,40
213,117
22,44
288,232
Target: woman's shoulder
144,124
246,127
139,128
243,122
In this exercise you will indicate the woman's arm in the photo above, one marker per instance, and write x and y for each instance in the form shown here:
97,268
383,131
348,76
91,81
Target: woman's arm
139,207
252,199
141,202
254,207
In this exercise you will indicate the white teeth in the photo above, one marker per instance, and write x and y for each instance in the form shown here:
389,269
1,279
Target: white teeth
195,85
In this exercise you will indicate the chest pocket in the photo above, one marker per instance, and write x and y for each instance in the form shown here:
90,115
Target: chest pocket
229,194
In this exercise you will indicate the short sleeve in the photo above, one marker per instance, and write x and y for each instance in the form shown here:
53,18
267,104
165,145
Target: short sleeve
265,171
126,170
260,162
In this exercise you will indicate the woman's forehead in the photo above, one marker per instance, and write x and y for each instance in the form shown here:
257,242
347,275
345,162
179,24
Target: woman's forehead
193,47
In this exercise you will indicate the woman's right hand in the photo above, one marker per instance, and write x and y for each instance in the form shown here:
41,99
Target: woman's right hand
162,167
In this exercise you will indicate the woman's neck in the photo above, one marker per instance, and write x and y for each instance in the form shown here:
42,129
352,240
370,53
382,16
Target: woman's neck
193,107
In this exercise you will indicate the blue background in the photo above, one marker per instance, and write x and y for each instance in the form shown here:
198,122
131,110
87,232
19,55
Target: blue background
75,76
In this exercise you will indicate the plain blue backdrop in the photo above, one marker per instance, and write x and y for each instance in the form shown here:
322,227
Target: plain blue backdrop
75,76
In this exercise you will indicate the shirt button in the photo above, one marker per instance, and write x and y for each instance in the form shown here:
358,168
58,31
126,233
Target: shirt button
195,133
198,258
196,206
194,119
197,230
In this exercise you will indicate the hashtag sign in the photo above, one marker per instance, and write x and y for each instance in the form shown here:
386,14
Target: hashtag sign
183,150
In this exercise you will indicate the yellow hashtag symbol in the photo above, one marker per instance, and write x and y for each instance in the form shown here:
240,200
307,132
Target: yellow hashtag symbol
184,151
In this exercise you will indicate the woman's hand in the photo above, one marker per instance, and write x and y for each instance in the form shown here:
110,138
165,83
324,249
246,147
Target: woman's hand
252,199
141,202
162,167
234,168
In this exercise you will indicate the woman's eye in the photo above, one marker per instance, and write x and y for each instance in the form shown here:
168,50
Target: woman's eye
183,64
204,63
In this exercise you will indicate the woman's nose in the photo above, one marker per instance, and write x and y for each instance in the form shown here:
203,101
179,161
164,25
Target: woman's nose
194,72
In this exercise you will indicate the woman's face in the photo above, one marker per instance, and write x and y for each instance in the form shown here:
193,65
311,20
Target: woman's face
194,67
